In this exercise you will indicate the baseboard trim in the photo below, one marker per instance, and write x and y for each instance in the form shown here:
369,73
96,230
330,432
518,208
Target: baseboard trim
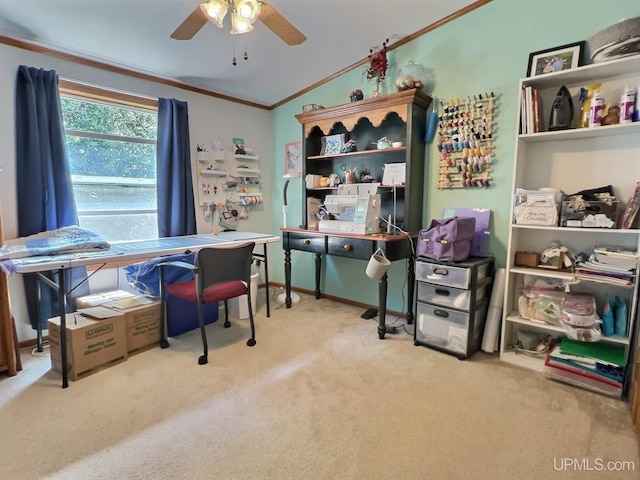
32,342
334,298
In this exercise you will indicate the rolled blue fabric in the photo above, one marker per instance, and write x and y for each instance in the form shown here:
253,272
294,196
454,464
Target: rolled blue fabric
432,126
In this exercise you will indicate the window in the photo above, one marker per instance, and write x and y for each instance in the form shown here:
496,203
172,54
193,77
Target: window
111,142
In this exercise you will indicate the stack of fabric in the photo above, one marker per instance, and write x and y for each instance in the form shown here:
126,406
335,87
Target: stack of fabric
596,366
65,240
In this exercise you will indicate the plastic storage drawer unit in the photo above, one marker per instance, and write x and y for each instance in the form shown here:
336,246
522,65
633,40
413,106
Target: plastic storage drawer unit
451,304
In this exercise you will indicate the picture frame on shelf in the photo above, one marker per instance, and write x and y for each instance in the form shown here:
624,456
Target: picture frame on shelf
293,159
332,144
556,59
238,146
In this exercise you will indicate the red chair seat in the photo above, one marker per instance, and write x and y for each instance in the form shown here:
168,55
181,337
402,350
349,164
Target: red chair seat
188,291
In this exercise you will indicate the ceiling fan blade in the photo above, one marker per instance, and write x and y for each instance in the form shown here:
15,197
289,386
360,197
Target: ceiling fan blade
280,25
190,26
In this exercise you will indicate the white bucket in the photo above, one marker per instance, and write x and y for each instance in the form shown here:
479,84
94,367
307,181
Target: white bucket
378,265
238,307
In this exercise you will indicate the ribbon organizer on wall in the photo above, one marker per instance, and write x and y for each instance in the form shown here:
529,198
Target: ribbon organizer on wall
229,183
465,142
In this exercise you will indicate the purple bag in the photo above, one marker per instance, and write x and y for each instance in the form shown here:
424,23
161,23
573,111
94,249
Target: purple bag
447,239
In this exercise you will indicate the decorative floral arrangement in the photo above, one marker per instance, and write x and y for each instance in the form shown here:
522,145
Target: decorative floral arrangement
378,63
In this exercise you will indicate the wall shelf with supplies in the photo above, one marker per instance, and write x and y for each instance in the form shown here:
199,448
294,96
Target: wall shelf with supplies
254,158
358,153
573,160
213,173
248,172
224,186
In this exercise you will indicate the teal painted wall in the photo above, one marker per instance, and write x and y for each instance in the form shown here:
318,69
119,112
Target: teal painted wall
486,50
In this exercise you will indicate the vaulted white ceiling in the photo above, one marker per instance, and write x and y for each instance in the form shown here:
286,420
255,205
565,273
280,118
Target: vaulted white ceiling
135,34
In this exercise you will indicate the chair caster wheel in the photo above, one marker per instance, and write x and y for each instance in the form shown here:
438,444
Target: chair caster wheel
251,342
227,324
202,360
164,343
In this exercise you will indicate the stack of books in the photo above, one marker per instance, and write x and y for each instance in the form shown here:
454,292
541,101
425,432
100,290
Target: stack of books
609,265
595,366
530,109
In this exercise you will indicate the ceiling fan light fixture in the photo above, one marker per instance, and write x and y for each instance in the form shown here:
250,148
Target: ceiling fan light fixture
239,24
215,10
248,9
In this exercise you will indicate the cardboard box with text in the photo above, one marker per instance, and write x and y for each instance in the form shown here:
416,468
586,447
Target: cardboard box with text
142,322
92,345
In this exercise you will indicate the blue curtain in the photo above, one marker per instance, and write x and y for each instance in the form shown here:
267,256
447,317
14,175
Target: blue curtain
44,191
176,209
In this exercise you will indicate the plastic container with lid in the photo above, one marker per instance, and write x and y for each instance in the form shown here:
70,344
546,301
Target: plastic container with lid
627,105
597,108
411,75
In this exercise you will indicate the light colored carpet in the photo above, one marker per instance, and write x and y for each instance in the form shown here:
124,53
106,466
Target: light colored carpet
318,397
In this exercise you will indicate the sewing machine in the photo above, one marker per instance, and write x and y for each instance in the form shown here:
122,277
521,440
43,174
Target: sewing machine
352,214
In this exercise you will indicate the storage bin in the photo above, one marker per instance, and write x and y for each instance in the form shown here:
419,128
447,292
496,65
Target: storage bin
182,315
448,297
589,214
448,329
458,276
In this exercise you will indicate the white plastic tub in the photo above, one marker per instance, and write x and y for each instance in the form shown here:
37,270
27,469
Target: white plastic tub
238,306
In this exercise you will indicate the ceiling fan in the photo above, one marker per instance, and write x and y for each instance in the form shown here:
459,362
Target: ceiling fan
243,14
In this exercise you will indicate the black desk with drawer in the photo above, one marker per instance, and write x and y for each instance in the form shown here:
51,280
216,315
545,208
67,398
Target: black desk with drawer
394,246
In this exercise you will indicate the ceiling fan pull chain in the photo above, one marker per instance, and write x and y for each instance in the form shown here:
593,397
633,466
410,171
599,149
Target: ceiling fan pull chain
234,52
246,54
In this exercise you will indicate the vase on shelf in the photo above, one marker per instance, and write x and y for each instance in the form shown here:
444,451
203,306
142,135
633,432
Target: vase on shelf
377,89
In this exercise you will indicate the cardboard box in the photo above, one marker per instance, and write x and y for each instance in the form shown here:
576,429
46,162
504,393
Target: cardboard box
98,299
589,214
141,320
92,345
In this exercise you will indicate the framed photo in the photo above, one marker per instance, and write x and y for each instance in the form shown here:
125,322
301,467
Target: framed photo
293,159
555,59
332,144
238,146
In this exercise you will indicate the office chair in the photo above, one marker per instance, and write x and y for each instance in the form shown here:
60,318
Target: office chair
220,273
